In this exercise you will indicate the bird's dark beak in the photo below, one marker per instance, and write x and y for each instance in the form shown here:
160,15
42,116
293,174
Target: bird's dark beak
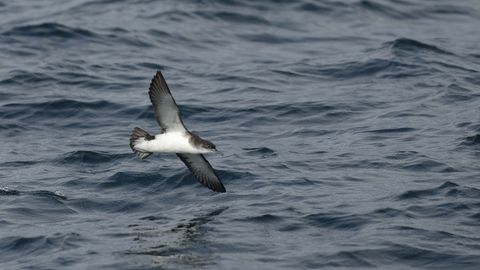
218,152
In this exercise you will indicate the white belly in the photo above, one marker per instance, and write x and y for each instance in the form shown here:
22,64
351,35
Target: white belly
173,142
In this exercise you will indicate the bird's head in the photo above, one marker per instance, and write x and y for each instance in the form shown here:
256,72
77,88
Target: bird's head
209,147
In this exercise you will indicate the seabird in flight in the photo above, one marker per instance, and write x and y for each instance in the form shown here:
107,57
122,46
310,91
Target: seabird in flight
175,138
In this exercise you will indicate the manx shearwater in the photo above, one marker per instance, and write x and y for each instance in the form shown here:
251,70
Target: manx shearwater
175,138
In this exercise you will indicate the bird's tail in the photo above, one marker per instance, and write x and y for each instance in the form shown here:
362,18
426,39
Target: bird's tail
139,133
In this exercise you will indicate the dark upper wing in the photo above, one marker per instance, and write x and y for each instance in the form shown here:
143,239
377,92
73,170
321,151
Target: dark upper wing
166,110
203,171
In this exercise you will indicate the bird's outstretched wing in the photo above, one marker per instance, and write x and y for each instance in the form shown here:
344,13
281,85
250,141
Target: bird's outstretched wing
203,171
165,107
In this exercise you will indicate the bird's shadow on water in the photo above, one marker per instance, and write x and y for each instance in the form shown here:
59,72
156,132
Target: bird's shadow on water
165,244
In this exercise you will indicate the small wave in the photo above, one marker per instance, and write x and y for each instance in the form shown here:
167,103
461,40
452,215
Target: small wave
266,218
5,191
86,157
271,38
58,112
337,221
426,164
392,130
405,46
405,11
134,179
424,193
20,246
234,17
404,256
444,10
390,11
50,30
264,152
384,68
316,7
386,213
25,77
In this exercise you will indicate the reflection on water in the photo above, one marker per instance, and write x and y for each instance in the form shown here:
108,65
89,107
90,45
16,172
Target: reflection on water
185,243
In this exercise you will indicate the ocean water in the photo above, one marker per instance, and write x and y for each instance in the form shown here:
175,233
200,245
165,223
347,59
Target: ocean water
349,130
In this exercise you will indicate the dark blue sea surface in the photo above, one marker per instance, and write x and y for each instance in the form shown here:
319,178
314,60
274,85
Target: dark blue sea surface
349,130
